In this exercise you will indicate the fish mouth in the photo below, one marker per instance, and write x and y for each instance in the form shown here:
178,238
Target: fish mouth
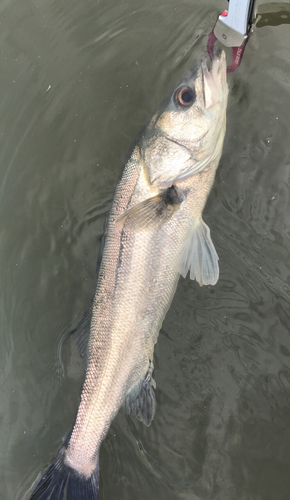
214,79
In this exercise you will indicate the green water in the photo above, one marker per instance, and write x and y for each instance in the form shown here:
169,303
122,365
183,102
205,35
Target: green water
77,82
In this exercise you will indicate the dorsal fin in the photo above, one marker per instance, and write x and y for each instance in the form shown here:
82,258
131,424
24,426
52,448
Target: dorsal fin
81,334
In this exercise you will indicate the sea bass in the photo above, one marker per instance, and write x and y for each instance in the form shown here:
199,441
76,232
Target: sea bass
154,232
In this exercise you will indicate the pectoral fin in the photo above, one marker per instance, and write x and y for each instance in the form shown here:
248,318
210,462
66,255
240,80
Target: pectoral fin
157,209
199,256
140,401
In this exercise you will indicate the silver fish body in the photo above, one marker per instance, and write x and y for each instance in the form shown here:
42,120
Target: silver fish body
154,233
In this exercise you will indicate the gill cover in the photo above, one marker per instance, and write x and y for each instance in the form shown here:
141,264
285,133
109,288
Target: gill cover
187,133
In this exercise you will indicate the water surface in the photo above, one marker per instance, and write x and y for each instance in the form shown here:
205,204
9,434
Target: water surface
78,80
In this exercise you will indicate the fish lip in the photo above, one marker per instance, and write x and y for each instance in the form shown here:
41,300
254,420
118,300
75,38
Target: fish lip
215,65
214,78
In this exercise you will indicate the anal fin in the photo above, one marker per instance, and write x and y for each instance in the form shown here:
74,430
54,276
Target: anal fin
199,256
140,401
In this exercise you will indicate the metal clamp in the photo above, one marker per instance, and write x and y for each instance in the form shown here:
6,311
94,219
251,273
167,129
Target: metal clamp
232,26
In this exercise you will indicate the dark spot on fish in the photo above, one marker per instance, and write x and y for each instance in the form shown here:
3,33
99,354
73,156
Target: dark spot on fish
171,196
170,199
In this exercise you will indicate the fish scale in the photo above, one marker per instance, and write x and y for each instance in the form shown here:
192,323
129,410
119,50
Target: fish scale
154,233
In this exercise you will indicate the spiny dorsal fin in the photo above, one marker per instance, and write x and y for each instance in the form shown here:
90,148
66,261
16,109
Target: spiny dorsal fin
155,210
199,255
81,334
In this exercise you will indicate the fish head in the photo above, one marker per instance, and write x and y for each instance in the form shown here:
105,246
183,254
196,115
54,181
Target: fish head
186,134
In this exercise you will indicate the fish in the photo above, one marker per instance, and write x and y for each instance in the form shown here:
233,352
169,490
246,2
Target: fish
154,233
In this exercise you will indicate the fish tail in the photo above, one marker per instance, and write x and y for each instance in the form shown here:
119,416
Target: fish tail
61,482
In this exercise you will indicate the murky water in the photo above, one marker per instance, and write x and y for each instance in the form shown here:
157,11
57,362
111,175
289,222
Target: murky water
78,80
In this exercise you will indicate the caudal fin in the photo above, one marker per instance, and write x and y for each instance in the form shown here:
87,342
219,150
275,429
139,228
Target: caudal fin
61,482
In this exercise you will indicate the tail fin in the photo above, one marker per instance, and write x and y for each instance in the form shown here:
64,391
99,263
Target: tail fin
61,482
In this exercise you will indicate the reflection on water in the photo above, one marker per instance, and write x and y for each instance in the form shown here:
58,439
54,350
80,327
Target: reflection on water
78,81
273,14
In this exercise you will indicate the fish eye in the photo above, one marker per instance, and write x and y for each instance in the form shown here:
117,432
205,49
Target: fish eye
185,97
